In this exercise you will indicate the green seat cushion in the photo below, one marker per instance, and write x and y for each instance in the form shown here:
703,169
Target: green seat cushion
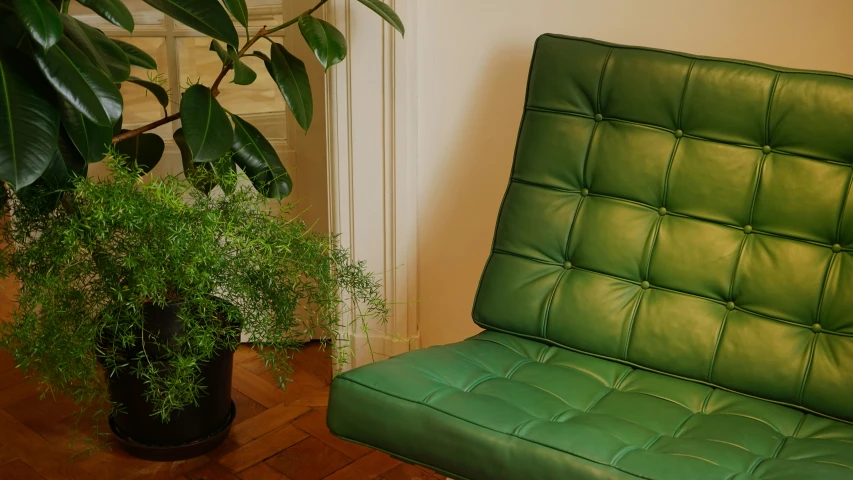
497,406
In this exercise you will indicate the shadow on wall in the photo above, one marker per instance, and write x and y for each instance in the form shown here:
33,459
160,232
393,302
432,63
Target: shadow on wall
462,179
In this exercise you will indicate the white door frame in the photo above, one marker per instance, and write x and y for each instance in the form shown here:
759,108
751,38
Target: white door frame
372,163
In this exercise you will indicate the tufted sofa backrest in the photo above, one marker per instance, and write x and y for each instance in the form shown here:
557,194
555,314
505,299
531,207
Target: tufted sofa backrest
687,215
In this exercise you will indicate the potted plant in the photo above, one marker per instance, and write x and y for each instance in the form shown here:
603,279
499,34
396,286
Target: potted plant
149,284
134,294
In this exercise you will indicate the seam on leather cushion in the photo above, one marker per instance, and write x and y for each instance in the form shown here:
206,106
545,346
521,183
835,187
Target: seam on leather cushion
661,372
342,378
685,135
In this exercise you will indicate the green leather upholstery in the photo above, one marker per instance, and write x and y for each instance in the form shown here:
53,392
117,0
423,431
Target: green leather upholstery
670,290
498,406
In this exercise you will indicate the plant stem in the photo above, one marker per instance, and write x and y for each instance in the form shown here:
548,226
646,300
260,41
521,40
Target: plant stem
65,4
296,19
228,66
145,128
214,89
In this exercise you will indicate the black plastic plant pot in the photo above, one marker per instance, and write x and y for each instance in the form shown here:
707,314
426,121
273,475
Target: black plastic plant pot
190,432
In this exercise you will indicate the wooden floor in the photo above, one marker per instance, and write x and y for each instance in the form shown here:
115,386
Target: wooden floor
277,435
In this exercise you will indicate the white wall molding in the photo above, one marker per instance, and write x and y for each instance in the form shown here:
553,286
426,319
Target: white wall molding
372,162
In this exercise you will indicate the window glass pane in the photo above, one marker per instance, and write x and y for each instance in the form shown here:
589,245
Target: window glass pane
144,16
260,103
140,106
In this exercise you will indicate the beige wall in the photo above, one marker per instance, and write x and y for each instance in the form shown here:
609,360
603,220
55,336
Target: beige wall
473,57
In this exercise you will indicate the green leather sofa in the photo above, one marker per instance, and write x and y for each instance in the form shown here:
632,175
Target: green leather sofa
669,294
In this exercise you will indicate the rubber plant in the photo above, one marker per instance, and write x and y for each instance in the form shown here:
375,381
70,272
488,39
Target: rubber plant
61,104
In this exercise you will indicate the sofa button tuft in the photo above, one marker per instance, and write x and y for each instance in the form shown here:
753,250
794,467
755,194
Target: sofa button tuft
836,248
584,192
598,117
645,285
816,328
766,149
567,265
730,305
747,229
662,211
678,133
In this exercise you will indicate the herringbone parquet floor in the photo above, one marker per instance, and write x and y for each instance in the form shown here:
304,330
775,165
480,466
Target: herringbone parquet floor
277,435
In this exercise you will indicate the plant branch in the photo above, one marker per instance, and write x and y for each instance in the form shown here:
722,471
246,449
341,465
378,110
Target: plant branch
228,66
145,128
214,89
296,19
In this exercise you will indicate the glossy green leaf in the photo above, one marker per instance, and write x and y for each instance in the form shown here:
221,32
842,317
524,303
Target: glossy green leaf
117,126
74,162
144,150
113,11
263,56
155,88
41,19
56,173
90,139
183,147
223,166
239,11
254,154
66,165
12,32
136,56
327,42
113,56
29,125
206,16
204,176
290,75
216,47
79,81
74,32
45,193
243,75
206,126
387,13
199,175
